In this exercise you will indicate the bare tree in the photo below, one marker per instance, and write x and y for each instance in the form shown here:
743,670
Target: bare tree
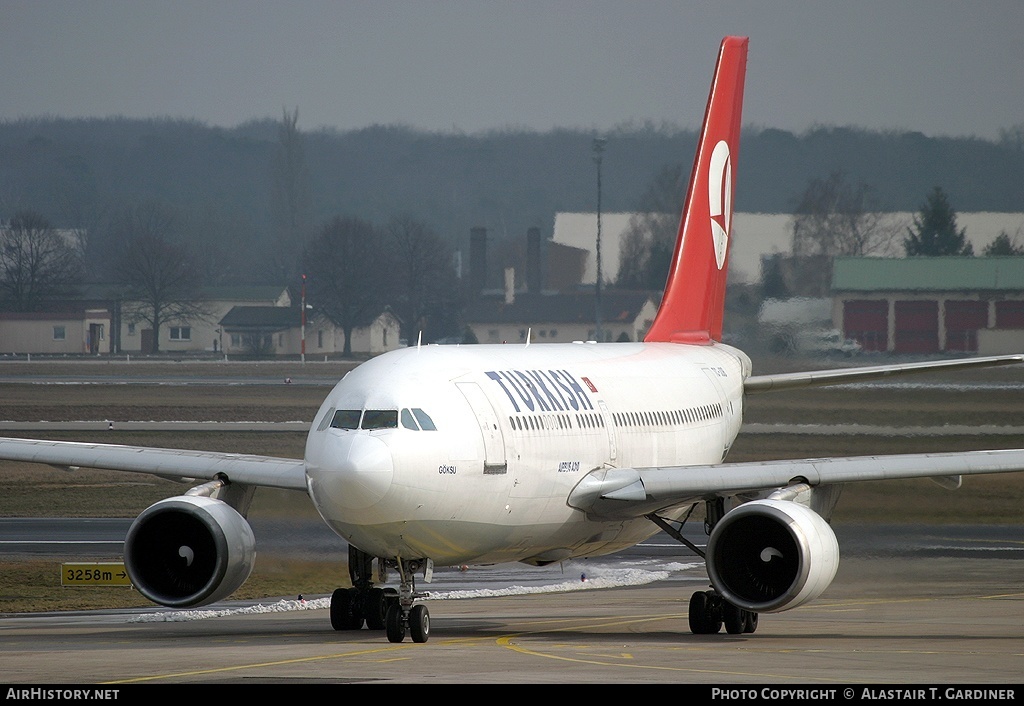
834,218
292,197
346,274
422,276
645,252
37,262
161,276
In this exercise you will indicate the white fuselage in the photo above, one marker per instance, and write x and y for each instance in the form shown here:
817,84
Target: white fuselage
515,429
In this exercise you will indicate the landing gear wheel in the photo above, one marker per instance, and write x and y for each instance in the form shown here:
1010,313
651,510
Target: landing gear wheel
419,623
376,608
343,613
750,623
394,623
735,618
704,615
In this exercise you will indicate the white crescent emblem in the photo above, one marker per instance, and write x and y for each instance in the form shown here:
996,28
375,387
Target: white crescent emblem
720,199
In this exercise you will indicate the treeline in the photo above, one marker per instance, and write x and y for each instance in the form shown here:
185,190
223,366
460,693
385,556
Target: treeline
224,186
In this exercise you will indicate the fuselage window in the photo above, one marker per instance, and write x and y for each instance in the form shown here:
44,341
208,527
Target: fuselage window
346,419
408,422
426,423
380,419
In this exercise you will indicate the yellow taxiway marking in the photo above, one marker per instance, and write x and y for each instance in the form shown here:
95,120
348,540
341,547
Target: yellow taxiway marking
257,665
507,641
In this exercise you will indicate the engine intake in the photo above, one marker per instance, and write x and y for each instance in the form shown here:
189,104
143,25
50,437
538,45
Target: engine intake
189,551
772,555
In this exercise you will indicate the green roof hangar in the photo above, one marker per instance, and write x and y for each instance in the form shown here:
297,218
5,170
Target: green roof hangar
931,305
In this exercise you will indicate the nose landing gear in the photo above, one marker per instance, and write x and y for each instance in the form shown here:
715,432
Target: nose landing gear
404,614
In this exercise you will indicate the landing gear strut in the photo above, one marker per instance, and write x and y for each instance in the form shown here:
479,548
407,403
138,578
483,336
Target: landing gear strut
708,610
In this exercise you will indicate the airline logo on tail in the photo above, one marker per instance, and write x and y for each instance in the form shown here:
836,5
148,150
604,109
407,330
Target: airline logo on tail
693,305
720,199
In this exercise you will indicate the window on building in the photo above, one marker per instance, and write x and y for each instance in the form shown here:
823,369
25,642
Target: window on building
236,340
131,329
320,338
58,333
181,333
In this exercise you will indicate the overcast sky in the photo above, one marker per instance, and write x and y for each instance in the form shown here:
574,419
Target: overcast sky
937,66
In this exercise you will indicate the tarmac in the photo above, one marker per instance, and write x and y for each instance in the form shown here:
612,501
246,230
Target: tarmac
897,620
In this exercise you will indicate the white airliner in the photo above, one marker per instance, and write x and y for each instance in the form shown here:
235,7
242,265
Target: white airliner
443,456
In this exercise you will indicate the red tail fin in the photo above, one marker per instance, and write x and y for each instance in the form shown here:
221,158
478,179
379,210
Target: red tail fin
694,300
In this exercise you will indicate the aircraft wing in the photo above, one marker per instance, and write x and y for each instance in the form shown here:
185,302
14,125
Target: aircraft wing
174,464
630,492
838,376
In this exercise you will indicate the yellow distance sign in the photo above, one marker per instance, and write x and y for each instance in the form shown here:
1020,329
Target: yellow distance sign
94,574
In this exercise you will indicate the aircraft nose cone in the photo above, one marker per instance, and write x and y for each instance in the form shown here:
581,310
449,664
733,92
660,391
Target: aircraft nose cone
354,473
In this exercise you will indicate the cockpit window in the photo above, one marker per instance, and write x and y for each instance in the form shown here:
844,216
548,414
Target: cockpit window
346,419
380,419
328,418
426,423
408,422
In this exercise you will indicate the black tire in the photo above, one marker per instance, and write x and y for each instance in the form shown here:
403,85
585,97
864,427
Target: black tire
343,616
750,624
419,623
703,616
376,608
394,623
735,618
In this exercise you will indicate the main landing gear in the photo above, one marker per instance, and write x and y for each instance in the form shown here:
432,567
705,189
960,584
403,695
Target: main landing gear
708,611
379,608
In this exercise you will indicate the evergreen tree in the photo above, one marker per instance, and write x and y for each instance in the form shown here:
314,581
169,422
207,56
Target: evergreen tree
1004,245
935,232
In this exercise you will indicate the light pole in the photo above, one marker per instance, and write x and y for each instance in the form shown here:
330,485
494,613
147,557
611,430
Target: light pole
303,329
599,143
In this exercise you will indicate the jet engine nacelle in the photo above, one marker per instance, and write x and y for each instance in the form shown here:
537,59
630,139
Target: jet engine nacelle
189,551
772,555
